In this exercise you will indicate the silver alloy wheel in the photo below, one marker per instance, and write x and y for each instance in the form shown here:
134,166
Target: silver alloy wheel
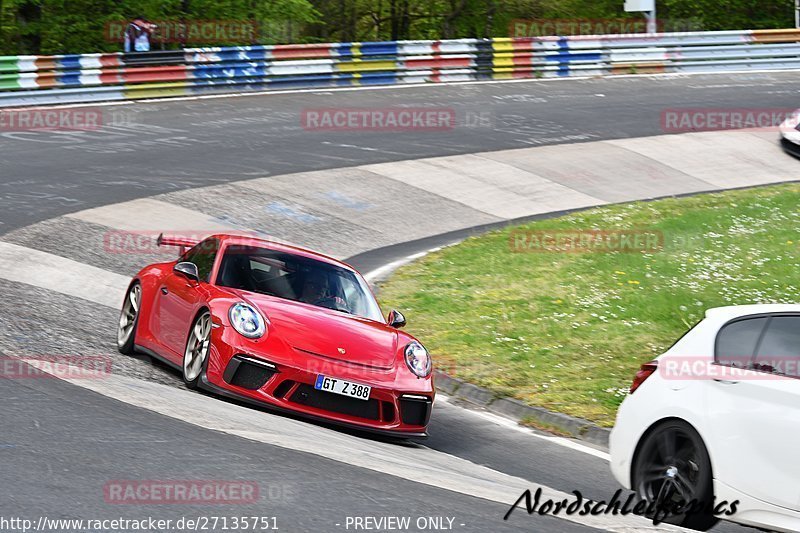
127,317
197,347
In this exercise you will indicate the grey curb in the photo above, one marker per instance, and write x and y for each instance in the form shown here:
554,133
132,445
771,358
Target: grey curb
445,383
473,393
577,428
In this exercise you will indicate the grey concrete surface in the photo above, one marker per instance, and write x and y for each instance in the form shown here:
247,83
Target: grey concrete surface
152,148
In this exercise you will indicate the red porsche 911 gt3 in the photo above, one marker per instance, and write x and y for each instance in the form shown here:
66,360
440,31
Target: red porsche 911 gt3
283,327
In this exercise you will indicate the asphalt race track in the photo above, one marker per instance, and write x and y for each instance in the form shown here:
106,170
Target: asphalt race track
218,163
166,146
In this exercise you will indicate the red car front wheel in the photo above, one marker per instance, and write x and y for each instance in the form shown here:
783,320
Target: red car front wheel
128,319
197,348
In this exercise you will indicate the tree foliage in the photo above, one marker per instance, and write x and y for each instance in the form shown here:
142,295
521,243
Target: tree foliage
81,26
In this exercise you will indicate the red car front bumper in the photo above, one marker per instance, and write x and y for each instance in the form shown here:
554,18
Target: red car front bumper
278,376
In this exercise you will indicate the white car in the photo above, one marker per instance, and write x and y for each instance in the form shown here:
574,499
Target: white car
717,419
790,134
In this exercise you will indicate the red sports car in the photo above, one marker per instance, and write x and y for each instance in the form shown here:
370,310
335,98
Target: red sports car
282,327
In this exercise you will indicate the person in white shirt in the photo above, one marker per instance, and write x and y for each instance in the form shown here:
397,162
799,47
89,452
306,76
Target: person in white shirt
137,35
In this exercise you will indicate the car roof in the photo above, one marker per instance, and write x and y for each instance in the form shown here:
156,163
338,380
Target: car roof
246,240
735,311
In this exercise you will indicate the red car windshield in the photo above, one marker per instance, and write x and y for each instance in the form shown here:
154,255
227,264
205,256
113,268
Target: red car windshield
297,278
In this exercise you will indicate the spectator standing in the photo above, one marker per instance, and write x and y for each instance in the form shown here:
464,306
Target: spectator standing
137,35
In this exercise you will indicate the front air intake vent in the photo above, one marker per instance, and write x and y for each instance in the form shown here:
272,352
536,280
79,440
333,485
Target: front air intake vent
283,388
415,410
248,372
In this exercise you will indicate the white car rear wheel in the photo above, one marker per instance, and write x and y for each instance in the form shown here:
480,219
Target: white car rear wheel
673,470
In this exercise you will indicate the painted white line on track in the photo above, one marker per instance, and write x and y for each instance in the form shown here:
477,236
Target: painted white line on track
385,270
511,424
59,274
156,215
149,217
323,91
382,272
440,470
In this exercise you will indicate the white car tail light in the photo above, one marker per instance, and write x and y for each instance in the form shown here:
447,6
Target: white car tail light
645,371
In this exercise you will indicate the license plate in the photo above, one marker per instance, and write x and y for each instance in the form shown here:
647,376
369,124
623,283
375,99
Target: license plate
340,386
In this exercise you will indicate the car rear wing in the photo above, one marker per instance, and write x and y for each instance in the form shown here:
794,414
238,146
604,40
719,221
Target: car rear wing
181,242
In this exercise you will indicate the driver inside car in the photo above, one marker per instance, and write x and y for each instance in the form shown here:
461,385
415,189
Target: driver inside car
315,291
315,288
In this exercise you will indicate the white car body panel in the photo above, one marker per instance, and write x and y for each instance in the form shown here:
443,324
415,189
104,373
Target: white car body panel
756,432
789,128
750,426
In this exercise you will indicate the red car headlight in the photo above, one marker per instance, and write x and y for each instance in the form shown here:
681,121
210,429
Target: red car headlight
418,359
247,321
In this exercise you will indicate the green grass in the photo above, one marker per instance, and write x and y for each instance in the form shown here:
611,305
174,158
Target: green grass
567,331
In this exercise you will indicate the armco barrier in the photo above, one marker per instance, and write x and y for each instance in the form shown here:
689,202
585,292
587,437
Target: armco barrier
33,80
